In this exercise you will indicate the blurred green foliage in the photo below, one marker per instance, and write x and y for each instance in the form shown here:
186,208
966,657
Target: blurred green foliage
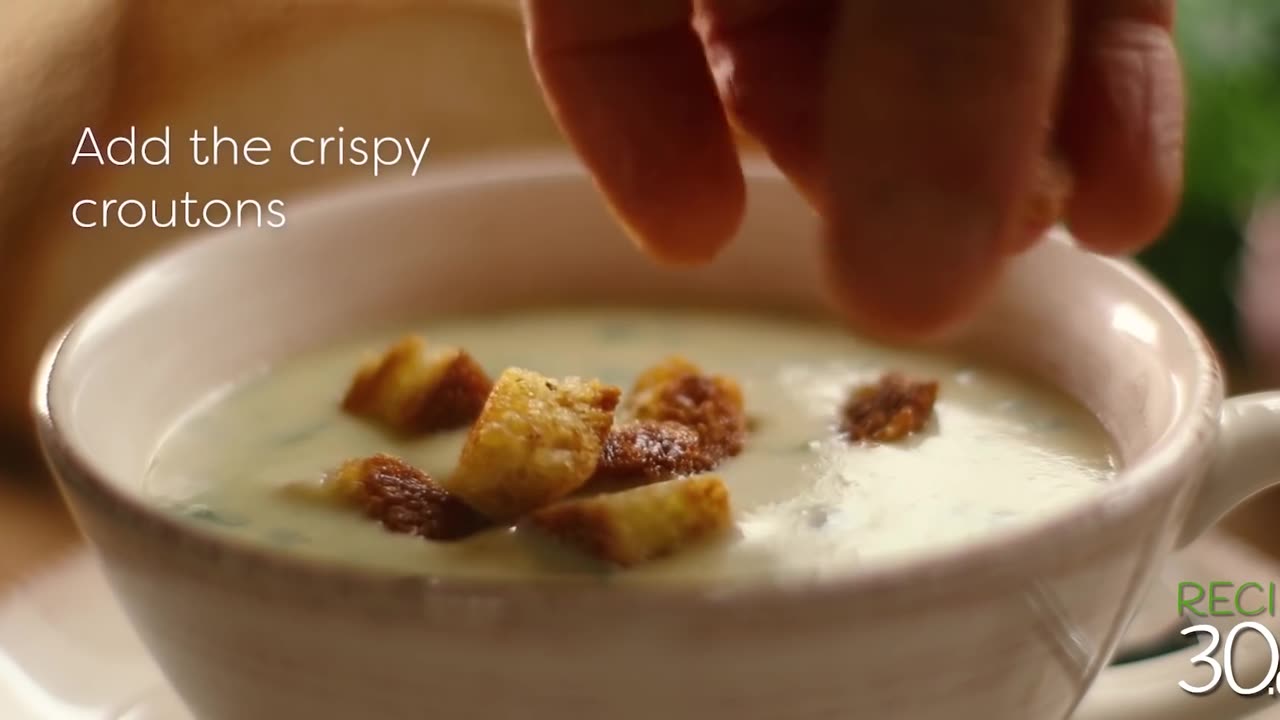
1231,52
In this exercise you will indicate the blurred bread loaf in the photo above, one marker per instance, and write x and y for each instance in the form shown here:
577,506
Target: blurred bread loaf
451,70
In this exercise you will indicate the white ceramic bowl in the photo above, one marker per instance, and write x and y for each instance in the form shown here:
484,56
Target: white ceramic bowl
1014,626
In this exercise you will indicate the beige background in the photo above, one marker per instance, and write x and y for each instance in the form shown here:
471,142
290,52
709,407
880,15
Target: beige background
453,70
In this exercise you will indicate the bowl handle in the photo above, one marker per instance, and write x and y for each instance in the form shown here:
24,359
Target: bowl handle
1246,462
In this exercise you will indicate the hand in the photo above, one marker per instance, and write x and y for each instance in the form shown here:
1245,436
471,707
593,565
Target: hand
923,130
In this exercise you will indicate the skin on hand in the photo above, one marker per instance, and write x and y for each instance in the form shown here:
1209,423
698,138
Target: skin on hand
936,137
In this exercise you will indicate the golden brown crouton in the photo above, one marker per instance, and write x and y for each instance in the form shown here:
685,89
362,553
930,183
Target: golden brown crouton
633,526
411,388
676,390
651,450
660,375
888,410
402,497
536,440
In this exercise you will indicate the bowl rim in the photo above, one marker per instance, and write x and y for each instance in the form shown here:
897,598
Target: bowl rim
1153,476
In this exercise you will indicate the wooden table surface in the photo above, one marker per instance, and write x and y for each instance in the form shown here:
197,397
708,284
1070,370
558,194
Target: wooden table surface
35,528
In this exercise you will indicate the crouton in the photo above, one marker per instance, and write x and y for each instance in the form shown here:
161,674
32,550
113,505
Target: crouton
661,375
401,497
412,388
645,523
677,391
536,440
651,450
888,410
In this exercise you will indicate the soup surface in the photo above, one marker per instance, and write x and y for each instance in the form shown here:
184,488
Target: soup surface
999,448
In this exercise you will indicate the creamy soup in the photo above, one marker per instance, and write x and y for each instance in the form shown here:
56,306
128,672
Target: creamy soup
999,449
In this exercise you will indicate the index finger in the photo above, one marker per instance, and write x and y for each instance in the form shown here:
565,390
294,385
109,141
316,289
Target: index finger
938,117
630,86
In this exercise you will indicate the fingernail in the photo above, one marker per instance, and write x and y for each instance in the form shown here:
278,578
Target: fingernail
913,265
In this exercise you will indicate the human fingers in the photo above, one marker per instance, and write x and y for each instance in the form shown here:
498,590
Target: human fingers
938,117
769,61
1122,124
630,85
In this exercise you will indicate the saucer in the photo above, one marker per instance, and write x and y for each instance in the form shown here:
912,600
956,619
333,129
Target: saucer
67,651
